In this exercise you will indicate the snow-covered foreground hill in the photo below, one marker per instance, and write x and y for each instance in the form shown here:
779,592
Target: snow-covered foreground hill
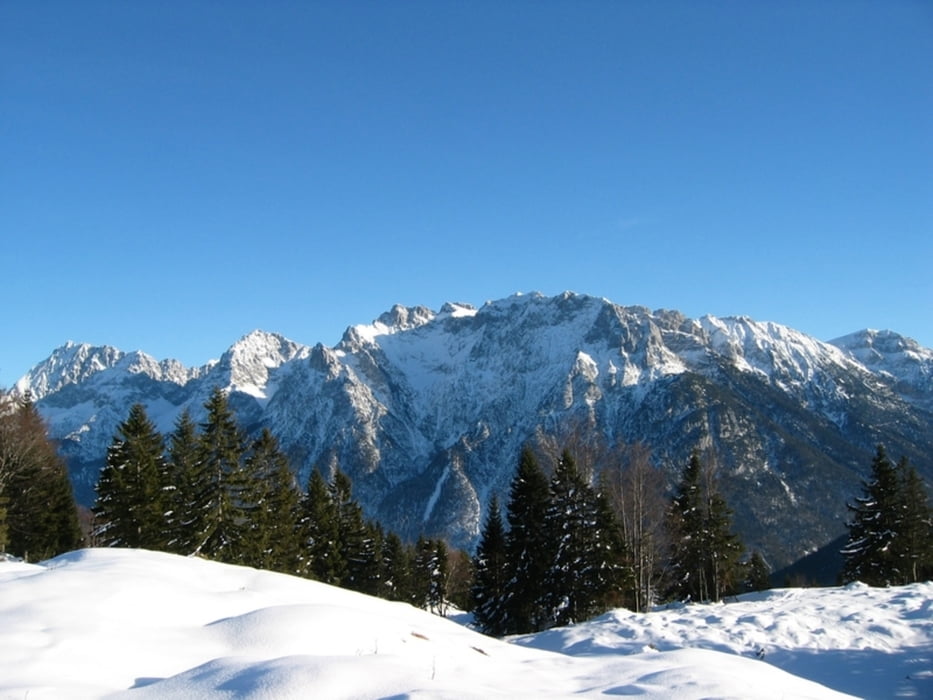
136,624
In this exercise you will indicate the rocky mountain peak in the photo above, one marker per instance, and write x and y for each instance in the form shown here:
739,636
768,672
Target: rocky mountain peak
403,318
249,361
72,363
398,319
873,346
890,354
456,310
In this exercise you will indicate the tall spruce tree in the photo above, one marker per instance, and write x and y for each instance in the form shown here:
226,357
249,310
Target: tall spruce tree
355,540
440,577
319,531
528,548
757,573
420,581
705,551
131,503
269,535
689,554
218,481
395,580
889,533
613,559
182,461
372,582
870,553
429,575
915,546
585,559
725,546
490,575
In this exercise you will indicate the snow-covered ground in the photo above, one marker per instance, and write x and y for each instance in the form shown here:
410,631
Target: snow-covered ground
869,642
135,624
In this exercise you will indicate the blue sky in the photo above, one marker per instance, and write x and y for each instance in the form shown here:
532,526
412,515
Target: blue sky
175,175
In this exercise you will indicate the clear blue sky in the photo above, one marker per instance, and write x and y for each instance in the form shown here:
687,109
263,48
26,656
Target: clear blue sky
174,175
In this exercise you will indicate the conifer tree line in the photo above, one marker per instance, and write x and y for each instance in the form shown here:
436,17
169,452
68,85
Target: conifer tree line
208,491
38,514
575,545
891,528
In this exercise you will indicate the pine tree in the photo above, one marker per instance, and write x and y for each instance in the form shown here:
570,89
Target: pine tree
355,541
611,556
180,486
705,552
420,580
319,531
725,548
372,580
268,536
915,544
284,541
687,524
429,575
890,532
218,481
757,573
131,504
440,577
490,575
584,563
871,552
395,580
527,547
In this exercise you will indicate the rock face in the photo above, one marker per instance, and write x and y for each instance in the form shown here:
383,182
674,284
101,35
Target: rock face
427,411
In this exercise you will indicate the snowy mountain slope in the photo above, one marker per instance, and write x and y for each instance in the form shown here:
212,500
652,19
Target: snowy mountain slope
136,624
891,355
427,411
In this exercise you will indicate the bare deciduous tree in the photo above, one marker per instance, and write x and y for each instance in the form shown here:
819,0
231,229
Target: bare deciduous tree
635,488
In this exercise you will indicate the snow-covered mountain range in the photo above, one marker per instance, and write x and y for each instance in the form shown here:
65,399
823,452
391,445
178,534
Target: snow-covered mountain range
427,411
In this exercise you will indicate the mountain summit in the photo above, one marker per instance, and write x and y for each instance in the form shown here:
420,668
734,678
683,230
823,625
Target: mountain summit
427,411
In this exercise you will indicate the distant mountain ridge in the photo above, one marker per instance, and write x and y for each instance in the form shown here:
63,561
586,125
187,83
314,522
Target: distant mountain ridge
427,410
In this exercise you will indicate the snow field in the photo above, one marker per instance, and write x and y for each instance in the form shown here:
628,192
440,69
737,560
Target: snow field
869,642
135,624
